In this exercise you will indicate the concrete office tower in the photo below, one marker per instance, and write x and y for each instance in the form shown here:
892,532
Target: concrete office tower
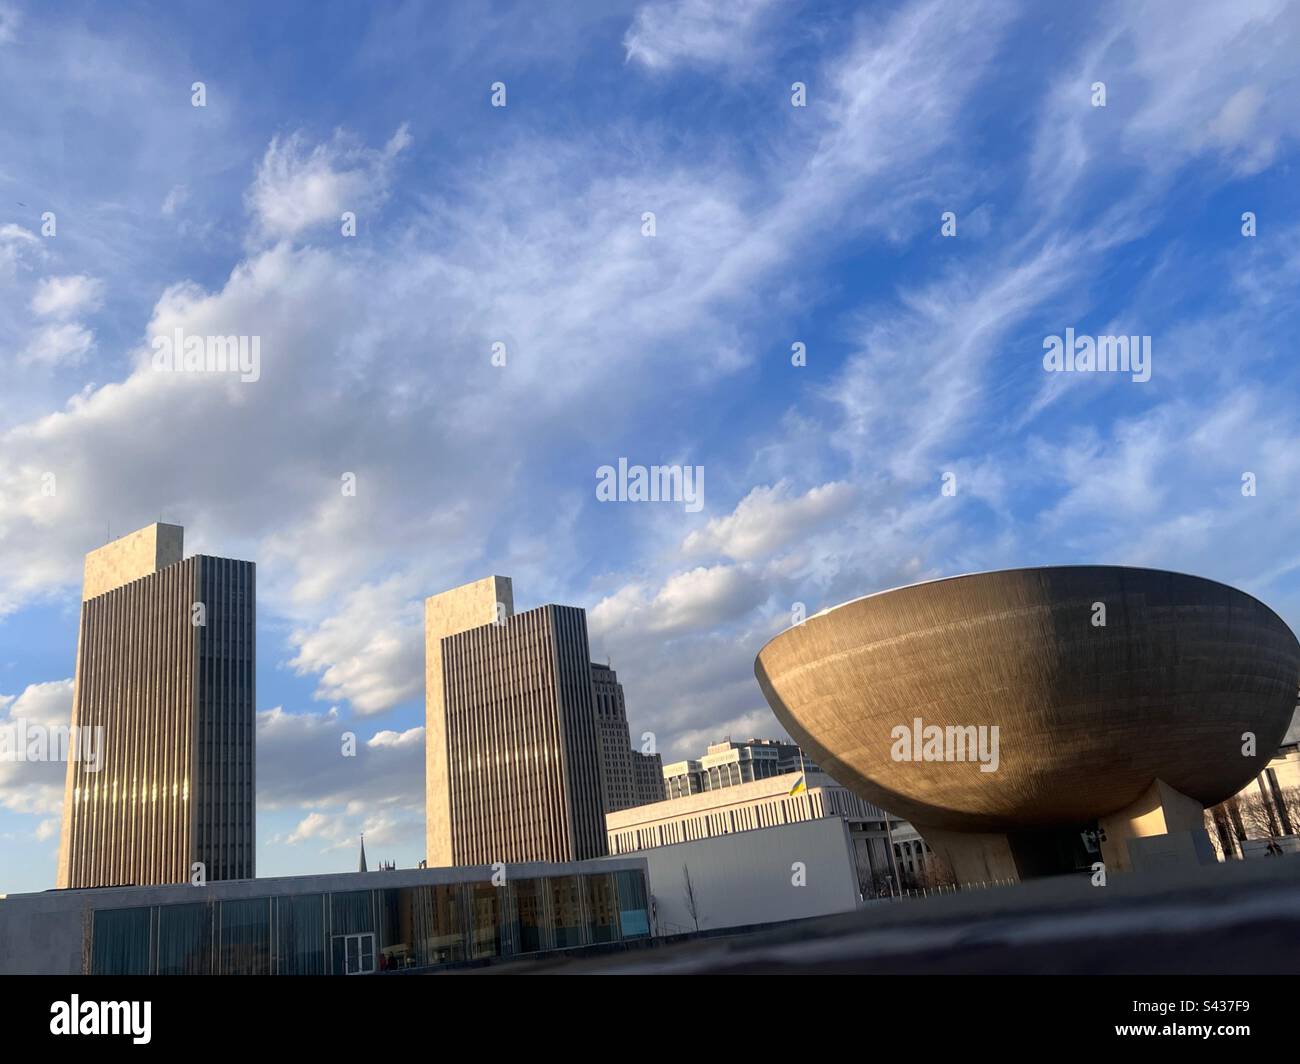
647,777
631,777
165,674
512,767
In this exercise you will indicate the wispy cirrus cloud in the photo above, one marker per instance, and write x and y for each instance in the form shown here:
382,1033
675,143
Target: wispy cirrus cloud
696,32
300,186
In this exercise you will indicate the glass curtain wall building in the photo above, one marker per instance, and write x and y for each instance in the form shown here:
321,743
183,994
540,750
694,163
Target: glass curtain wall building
376,929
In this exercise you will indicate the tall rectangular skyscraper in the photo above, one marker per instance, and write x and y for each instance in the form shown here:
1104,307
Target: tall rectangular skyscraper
166,674
512,769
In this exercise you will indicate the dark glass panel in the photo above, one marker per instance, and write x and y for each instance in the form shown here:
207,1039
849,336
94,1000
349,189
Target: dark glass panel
566,905
602,907
120,942
530,904
185,939
633,911
486,920
300,934
352,912
246,937
397,919
438,925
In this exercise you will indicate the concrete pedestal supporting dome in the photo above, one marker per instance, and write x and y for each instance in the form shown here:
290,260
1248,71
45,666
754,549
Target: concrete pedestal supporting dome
1037,704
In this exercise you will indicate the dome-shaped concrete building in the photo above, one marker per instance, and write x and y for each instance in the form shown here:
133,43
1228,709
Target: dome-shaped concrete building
1006,714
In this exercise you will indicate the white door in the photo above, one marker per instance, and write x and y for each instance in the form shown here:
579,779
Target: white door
359,954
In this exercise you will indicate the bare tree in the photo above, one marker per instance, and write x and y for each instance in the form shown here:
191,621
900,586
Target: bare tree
1217,828
1252,815
692,904
1257,816
1290,798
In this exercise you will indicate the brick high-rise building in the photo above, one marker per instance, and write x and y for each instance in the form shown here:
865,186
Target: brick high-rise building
165,675
512,767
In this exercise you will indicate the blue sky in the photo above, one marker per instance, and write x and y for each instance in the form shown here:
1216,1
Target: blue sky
522,224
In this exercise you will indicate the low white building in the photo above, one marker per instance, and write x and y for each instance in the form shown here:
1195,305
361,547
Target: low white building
770,875
886,851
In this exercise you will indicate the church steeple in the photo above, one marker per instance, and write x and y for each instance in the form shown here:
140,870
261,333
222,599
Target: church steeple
362,865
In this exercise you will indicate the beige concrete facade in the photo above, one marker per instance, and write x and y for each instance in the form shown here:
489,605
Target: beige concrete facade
974,857
512,760
173,701
1090,716
1160,811
141,553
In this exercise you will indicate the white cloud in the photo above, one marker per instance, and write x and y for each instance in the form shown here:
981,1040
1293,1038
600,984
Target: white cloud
757,724
370,652
339,831
58,345
410,737
312,826
695,599
768,518
301,764
1182,80
297,188
379,791
63,297
175,199
918,381
16,243
703,32
35,788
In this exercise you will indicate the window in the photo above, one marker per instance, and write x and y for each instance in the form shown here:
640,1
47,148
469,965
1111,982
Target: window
530,906
300,934
632,909
246,937
485,911
566,903
602,907
121,942
185,939
354,954
436,923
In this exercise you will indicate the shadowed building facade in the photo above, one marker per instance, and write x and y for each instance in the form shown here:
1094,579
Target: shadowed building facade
166,676
631,777
512,765
1108,734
